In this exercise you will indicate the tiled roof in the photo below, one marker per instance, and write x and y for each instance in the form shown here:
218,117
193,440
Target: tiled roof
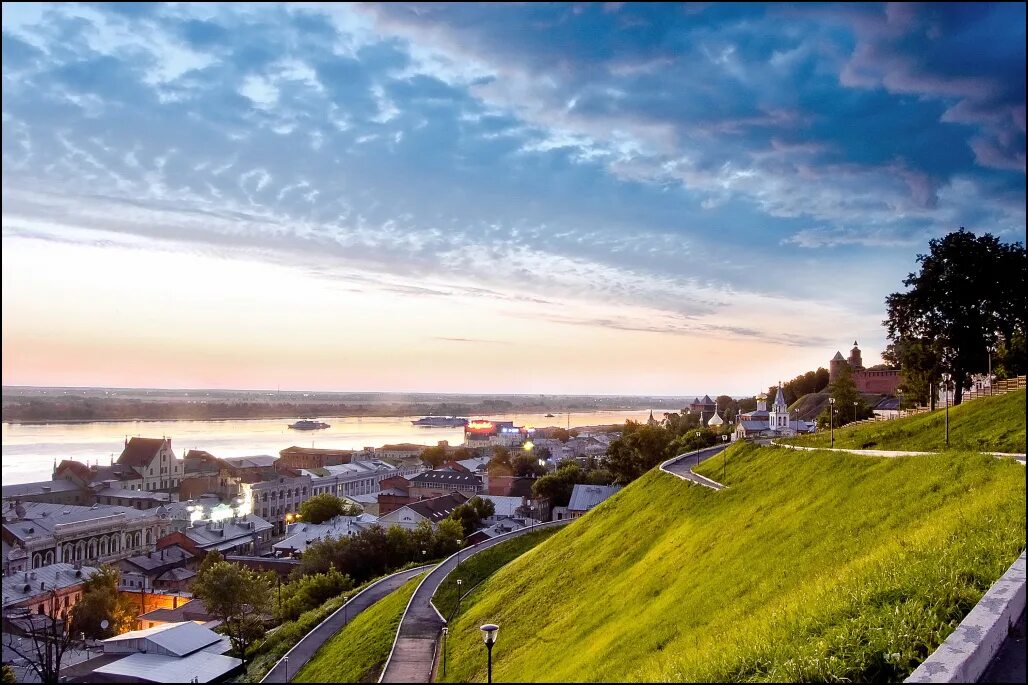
140,452
38,488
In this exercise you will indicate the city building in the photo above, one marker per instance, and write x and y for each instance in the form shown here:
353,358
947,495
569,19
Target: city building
480,433
56,533
432,510
705,408
278,499
168,569
774,423
44,589
444,481
236,535
880,381
405,450
585,497
152,463
313,458
167,653
300,535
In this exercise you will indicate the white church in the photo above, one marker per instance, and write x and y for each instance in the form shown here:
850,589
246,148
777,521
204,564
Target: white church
770,424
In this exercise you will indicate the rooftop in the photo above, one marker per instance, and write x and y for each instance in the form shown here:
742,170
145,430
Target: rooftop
257,461
41,581
205,667
180,639
446,476
438,508
139,452
42,517
38,488
168,555
585,497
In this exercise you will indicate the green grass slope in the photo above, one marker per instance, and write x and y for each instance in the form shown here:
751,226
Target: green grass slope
810,566
482,565
988,424
357,653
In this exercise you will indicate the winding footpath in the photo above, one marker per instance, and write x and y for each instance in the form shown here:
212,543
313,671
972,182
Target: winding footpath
290,664
682,466
414,649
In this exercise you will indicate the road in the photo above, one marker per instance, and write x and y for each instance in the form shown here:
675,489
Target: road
302,651
413,653
683,464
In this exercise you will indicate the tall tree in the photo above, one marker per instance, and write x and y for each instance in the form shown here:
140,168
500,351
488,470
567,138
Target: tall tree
237,596
849,404
967,298
101,602
325,506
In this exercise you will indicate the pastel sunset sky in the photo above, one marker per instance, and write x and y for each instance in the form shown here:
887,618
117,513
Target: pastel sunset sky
544,198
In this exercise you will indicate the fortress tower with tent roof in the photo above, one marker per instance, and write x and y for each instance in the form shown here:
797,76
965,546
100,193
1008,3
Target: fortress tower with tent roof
881,381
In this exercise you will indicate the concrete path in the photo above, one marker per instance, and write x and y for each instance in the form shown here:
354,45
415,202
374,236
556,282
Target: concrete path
683,464
886,453
303,650
414,649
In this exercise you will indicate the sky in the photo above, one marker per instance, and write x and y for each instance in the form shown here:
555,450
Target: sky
544,198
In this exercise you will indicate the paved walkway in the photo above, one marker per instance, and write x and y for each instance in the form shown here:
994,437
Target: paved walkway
682,466
886,453
414,649
303,650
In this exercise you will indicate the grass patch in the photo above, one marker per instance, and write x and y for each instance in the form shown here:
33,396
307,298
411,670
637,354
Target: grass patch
357,653
987,424
812,566
482,565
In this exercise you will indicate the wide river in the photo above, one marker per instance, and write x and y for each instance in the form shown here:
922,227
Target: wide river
29,450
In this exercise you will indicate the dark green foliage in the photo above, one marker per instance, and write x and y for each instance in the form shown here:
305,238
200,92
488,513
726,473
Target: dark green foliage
470,514
101,601
968,298
434,456
375,551
321,508
236,595
311,591
849,404
640,448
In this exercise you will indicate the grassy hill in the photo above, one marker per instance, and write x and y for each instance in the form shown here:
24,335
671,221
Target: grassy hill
988,424
811,566
357,653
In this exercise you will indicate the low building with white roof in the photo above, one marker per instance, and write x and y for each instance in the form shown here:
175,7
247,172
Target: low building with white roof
585,497
169,653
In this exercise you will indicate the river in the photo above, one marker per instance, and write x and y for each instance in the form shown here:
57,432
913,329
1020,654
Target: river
29,450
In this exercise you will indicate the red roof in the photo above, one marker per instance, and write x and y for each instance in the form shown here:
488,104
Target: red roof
140,451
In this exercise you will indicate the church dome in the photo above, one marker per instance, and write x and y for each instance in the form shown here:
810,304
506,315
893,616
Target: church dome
715,420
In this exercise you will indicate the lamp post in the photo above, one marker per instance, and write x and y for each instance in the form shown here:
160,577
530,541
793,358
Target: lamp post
945,389
854,411
445,643
990,350
489,631
724,457
899,391
285,665
831,417
459,597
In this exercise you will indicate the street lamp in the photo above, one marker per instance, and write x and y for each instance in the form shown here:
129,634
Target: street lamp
445,643
724,457
854,411
945,388
899,391
459,597
285,665
831,417
489,631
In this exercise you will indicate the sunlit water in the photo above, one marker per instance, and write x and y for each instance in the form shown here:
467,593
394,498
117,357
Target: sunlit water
29,451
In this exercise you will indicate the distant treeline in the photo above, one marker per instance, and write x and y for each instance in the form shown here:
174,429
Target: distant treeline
103,409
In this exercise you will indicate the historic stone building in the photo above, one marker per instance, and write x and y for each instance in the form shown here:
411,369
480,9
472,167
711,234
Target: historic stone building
881,381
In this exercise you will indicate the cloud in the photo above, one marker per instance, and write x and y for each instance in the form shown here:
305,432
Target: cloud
644,158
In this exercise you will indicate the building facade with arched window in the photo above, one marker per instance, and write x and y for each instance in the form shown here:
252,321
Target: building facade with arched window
37,534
